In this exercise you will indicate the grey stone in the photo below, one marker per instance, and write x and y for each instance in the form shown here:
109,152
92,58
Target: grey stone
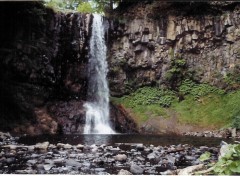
42,146
67,146
32,162
80,146
121,157
124,172
71,162
135,169
190,158
47,167
59,161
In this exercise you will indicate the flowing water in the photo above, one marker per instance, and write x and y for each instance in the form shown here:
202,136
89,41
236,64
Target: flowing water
97,107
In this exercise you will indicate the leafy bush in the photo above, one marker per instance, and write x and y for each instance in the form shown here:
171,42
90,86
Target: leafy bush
177,70
198,90
205,156
229,164
150,95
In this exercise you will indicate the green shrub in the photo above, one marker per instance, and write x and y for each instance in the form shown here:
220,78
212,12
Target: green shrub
150,95
229,164
198,90
205,156
177,70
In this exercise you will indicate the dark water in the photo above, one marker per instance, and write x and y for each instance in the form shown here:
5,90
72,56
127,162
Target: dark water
156,140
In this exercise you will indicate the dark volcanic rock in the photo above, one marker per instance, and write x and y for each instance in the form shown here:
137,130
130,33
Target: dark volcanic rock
43,58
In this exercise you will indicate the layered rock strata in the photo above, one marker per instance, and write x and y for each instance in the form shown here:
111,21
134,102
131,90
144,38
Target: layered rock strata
147,37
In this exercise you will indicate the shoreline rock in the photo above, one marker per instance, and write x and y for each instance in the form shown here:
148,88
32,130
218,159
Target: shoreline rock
118,158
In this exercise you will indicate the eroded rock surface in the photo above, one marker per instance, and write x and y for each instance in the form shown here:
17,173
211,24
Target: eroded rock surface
151,34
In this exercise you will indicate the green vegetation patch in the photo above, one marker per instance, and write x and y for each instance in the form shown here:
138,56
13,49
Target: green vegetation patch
208,106
147,102
229,164
201,104
150,96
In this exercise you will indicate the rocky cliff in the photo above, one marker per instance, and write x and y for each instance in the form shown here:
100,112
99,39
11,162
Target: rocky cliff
43,69
43,57
161,43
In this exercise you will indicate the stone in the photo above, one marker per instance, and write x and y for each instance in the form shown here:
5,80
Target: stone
230,38
80,146
189,170
124,172
10,160
140,147
32,162
47,167
194,36
115,150
42,146
71,162
59,161
60,145
171,33
151,156
135,169
67,146
120,157
190,158
234,132
31,148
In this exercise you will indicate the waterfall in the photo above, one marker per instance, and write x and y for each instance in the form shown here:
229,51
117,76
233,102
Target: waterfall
97,106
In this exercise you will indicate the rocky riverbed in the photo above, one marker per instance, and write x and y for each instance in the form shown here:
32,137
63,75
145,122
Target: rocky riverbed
119,158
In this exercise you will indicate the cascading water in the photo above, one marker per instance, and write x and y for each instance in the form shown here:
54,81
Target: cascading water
97,107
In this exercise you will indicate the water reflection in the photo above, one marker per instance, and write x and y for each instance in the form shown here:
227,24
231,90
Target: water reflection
89,139
97,139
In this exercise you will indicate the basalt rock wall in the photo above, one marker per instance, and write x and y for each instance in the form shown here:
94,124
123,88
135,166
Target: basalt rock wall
43,70
43,56
147,38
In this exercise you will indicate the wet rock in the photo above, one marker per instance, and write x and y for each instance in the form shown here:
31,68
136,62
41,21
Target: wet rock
115,150
10,160
189,170
47,167
42,146
71,162
67,146
32,162
120,157
124,172
59,161
140,147
80,146
135,169
190,158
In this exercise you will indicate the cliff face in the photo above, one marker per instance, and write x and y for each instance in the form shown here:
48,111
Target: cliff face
150,38
43,59
43,70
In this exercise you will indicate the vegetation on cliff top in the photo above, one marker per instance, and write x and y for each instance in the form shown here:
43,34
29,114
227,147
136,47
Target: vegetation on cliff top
84,6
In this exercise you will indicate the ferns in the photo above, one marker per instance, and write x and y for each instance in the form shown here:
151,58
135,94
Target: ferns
151,95
198,90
